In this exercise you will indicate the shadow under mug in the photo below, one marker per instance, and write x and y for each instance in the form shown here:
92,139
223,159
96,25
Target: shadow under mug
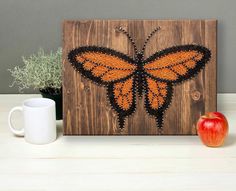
39,120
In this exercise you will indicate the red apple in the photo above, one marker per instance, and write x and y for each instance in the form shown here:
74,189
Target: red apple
212,129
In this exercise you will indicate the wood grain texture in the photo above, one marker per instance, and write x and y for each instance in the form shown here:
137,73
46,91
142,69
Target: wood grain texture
86,108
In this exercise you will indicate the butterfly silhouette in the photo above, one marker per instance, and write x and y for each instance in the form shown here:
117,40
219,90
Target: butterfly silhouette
153,77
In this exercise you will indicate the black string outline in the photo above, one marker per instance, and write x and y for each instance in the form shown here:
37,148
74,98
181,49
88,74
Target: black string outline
157,113
140,76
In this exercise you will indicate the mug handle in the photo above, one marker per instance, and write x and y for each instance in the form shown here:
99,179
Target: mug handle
13,130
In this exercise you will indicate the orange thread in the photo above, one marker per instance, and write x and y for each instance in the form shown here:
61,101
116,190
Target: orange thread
180,69
99,71
157,93
165,73
190,64
116,75
172,59
107,60
123,93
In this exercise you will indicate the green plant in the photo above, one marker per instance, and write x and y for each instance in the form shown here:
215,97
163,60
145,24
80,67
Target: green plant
40,71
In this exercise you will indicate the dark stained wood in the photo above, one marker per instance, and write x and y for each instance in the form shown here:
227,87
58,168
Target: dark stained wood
86,108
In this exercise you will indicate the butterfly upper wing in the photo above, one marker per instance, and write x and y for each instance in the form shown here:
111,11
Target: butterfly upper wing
170,66
102,65
177,63
112,69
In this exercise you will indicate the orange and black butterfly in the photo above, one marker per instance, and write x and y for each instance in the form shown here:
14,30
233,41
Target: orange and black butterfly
153,77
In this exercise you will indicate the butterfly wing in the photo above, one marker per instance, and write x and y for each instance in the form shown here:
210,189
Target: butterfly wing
122,98
157,98
167,67
177,63
113,69
102,65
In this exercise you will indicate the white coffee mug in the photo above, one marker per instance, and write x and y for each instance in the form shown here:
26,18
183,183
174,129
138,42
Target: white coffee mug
39,121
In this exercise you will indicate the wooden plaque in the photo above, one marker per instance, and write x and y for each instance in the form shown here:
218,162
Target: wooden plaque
87,110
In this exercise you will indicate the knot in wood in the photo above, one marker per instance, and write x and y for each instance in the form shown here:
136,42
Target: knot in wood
86,88
196,95
79,106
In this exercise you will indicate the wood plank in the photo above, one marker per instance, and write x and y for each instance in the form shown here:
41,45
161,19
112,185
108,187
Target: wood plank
86,108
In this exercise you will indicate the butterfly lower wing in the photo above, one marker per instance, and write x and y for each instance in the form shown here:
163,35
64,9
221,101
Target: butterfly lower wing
177,64
102,65
157,98
122,98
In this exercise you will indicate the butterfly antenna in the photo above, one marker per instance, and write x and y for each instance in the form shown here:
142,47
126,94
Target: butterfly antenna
120,29
148,38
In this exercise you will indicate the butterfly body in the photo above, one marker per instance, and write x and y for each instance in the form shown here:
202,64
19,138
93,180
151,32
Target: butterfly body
152,77
139,74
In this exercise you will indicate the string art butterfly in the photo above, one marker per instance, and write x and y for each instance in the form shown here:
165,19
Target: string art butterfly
153,77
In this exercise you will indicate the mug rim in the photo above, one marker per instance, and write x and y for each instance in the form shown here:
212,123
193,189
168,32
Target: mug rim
49,103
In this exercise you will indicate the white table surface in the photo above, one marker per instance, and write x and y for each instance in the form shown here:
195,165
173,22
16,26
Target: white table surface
116,163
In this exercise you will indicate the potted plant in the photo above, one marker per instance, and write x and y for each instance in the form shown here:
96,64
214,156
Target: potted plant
43,72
